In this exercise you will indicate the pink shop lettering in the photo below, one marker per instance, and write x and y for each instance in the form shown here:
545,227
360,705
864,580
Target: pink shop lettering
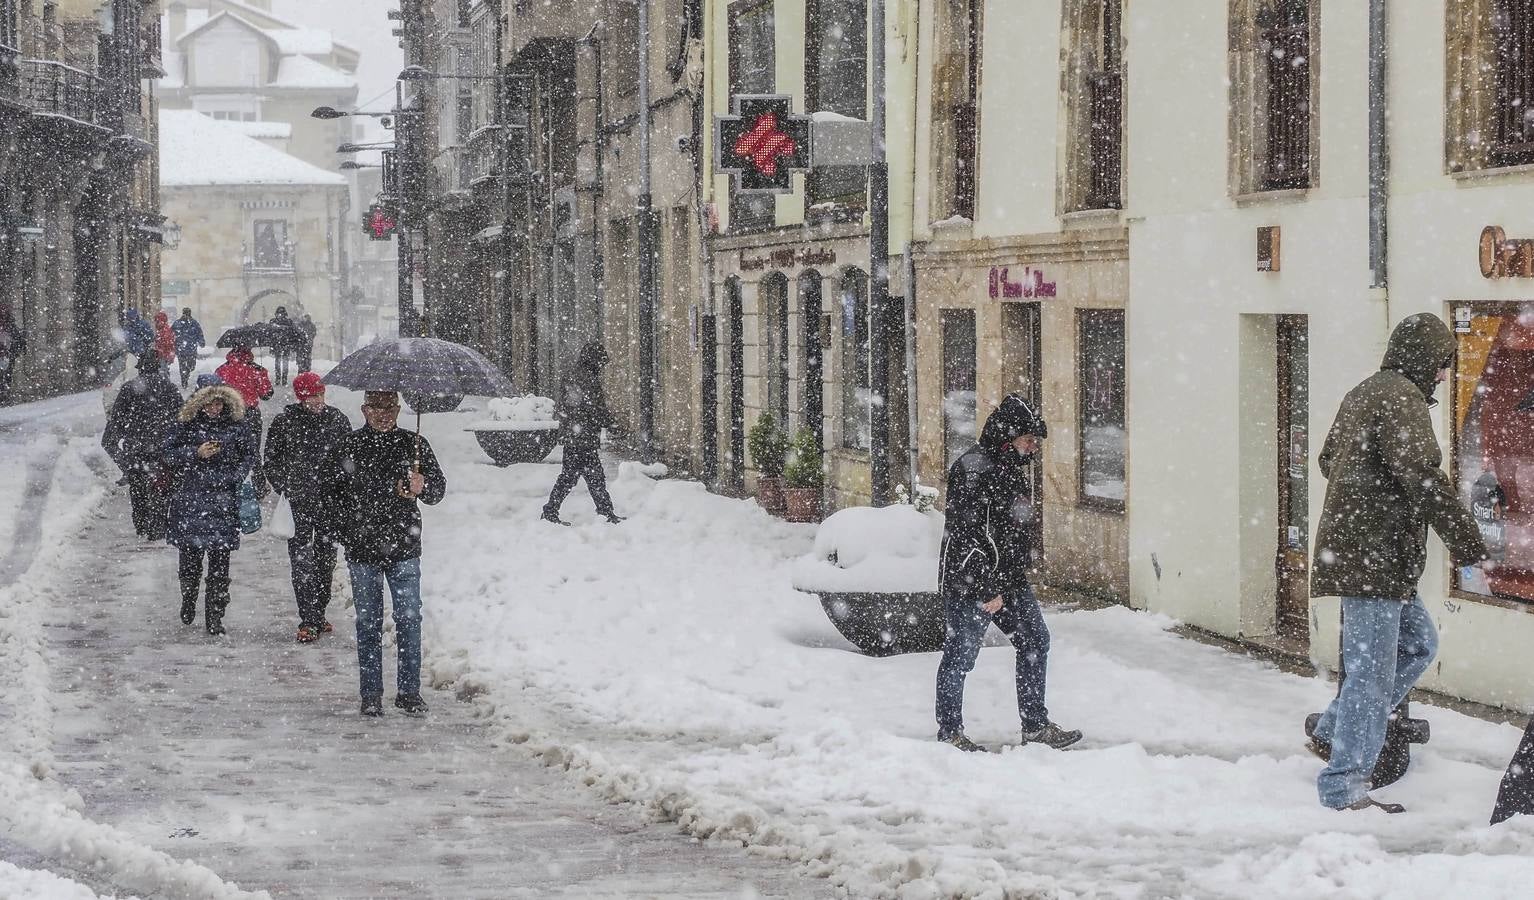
1032,286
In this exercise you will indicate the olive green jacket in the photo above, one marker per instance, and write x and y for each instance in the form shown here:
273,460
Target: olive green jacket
1385,485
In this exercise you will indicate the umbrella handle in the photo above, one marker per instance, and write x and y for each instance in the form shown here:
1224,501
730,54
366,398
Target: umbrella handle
418,442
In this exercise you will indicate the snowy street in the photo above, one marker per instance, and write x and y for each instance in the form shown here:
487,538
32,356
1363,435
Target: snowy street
617,710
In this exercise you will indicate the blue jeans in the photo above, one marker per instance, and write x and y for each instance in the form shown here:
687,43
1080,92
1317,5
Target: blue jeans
1022,620
1386,646
367,590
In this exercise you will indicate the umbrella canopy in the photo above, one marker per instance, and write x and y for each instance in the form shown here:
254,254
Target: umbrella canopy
420,366
262,334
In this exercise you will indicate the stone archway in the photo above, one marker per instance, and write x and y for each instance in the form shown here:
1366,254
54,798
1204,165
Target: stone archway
264,303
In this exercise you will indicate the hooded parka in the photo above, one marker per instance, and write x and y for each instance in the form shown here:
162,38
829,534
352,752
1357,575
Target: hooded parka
204,505
1385,485
141,418
582,409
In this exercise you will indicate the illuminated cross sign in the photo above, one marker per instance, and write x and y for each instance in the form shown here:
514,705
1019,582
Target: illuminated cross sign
380,224
763,144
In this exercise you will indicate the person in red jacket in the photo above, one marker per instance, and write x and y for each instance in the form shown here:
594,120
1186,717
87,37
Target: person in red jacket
241,372
164,339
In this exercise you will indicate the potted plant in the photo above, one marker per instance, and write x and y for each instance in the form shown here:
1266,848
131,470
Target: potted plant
768,448
804,474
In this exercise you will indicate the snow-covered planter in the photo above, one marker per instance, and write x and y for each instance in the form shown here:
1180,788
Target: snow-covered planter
520,429
875,571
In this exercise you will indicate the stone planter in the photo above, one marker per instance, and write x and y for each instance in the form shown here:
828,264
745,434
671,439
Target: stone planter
885,624
769,494
521,446
801,504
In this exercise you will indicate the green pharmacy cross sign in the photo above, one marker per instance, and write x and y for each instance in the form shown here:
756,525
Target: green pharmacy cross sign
762,144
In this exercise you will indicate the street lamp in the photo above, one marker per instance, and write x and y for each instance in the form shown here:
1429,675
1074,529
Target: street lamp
353,164
358,148
330,112
420,73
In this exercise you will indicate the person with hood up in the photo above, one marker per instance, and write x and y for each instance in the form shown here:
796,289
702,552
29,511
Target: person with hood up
241,372
164,339
309,330
988,548
188,332
209,452
137,426
302,437
1385,488
283,353
138,335
582,412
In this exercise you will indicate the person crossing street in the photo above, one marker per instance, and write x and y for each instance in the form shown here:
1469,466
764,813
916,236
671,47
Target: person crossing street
583,413
189,338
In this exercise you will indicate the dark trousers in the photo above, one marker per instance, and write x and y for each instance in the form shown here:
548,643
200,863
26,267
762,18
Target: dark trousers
580,462
306,359
150,503
313,560
280,365
217,595
1516,795
187,364
1021,620
257,471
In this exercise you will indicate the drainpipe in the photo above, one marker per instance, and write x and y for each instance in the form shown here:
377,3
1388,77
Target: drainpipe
879,270
646,249
910,273
1379,158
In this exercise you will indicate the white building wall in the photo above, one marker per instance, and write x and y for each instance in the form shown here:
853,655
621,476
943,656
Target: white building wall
1019,116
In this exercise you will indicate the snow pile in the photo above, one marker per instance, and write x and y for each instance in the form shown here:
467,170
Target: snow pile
526,413
303,72
17,883
863,548
196,150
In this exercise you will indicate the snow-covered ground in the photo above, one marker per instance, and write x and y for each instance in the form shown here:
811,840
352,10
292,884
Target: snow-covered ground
667,662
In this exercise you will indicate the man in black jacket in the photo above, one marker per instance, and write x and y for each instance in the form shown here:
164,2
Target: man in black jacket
298,443
137,426
583,413
988,548
376,477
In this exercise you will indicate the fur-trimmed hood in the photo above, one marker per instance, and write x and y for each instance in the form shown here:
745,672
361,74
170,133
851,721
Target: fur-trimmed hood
233,405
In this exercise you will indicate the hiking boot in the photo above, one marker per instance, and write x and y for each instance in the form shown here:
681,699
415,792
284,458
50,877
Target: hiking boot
553,519
308,634
961,742
188,612
614,518
1368,802
1321,748
1052,735
372,707
412,704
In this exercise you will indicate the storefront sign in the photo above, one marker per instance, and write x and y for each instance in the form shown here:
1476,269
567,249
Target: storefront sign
787,258
1031,287
1502,257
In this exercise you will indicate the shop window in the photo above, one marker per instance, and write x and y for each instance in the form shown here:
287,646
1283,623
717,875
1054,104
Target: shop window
1493,397
1100,406
836,80
959,398
1273,89
772,297
955,108
1094,91
857,387
753,56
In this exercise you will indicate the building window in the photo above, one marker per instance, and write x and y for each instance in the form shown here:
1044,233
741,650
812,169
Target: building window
959,401
753,55
1513,28
1273,86
269,247
9,35
955,108
1094,107
857,393
1494,442
1100,406
772,300
836,80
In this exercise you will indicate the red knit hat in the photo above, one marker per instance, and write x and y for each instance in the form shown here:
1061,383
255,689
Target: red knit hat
306,385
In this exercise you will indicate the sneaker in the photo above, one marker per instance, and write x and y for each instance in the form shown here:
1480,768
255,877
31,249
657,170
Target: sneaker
326,627
1368,802
372,707
553,519
962,743
412,704
1052,735
614,518
308,634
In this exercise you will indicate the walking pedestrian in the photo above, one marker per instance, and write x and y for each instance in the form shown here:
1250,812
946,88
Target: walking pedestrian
209,452
582,412
241,372
1385,488
300,441
377,479
164,339
138,424
12,345
988,548
306,346
282,353
189,338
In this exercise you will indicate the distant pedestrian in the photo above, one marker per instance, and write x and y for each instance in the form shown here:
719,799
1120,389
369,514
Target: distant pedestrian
189,339
12,345
988,548
210,453
138,335
241,372
1385,488
282,352
582,412
164,339
377,478
307,327
138,425
300,441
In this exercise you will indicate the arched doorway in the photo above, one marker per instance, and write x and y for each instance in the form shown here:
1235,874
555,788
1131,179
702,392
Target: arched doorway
810,305
262,305
737,316
772,307
856,382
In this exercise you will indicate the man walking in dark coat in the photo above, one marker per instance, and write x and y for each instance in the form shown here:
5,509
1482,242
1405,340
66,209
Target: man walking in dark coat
282,353
377,478
140,421
583,413
188,332
1385,488
307,328
298,443
988,548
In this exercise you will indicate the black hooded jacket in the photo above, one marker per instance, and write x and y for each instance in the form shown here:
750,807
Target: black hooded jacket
365,511
298,443
141,419
988,543
582,408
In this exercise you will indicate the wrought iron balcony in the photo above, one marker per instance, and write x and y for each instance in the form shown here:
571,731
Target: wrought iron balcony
53,88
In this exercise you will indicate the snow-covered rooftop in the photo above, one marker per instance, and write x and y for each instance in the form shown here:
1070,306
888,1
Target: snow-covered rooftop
267,130
303,72
197,150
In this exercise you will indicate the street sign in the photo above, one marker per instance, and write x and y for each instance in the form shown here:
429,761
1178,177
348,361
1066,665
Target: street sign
380,224
762,144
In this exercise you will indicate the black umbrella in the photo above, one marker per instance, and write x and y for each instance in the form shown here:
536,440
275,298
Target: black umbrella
262,334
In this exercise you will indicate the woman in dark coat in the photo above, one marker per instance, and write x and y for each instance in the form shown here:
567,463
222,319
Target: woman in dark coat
210,452
141,418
